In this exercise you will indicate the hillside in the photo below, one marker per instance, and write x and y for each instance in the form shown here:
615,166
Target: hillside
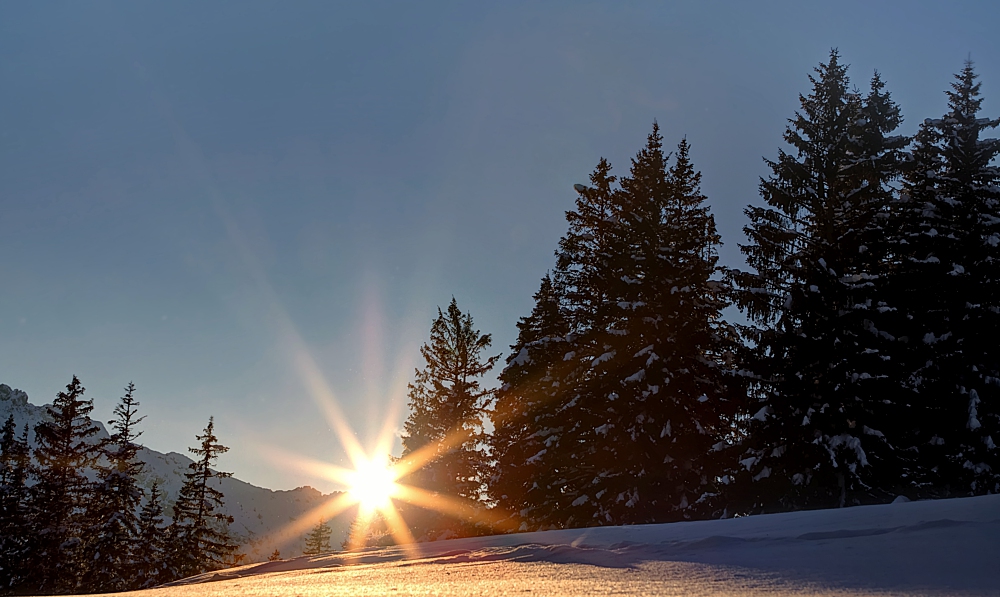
942,547
259,513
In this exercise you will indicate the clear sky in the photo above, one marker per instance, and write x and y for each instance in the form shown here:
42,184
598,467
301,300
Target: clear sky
208,199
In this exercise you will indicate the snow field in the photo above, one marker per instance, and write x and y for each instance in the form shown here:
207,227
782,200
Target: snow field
944,547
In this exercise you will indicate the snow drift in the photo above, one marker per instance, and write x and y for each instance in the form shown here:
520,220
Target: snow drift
944,547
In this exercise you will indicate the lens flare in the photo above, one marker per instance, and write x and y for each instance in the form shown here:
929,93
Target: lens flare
373,485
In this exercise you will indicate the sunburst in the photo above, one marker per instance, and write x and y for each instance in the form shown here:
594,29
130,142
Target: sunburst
373,484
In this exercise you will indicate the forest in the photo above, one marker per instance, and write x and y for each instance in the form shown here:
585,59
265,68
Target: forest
853,361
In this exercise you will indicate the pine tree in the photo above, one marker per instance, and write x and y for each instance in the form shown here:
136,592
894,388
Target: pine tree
369,529
680,374
198,537
64,451
615,397
818,360
148,563
14,523
447,406
524,419
947,287
113,536
544,486
275,556
318,539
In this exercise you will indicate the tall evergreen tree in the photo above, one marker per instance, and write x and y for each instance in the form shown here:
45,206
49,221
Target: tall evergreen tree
948,283
524,420
149,562
199,534
14,524
318,539
65,449
112,541
541,484
616,385
447,406
819,361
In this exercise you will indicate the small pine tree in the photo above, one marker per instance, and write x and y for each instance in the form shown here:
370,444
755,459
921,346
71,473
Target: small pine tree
113,537
447,407
14,466
275,556
369,529
61,492
318,540
199,534
148,562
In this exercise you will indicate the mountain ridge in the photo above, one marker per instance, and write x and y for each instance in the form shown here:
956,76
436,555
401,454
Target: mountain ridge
259,514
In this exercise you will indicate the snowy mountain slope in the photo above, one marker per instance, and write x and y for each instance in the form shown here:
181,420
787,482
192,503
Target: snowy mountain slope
258,512
944,547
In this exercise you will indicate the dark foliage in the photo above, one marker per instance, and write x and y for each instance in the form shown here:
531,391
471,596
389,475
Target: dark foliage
198,538
946,243
818,361
444,431
615,402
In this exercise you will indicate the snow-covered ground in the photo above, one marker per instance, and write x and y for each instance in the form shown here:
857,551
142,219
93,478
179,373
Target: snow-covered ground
945,547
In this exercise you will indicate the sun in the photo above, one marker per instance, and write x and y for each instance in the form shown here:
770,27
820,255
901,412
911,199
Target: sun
373,484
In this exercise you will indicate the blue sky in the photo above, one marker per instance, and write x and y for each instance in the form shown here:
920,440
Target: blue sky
201,197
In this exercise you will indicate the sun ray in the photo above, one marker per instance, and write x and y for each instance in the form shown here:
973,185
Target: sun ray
421,457
450,506
312,467
323,396
296,528
400,532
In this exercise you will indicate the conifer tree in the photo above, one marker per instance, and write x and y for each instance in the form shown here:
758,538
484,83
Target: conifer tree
650,380
625,424
112,541
198,537
947,287
275,556
14,523
543,485
318,539
819,361
61,492
524,419
149,561
369,529
447,406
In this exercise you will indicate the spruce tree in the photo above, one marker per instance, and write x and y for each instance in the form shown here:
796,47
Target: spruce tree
553,478
65,449
947,287
198,537
447,407
524,420
618,382
15,461
112,542
818,362
149,562
318,539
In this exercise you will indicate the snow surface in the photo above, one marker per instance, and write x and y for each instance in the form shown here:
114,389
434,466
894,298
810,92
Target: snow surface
944,547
